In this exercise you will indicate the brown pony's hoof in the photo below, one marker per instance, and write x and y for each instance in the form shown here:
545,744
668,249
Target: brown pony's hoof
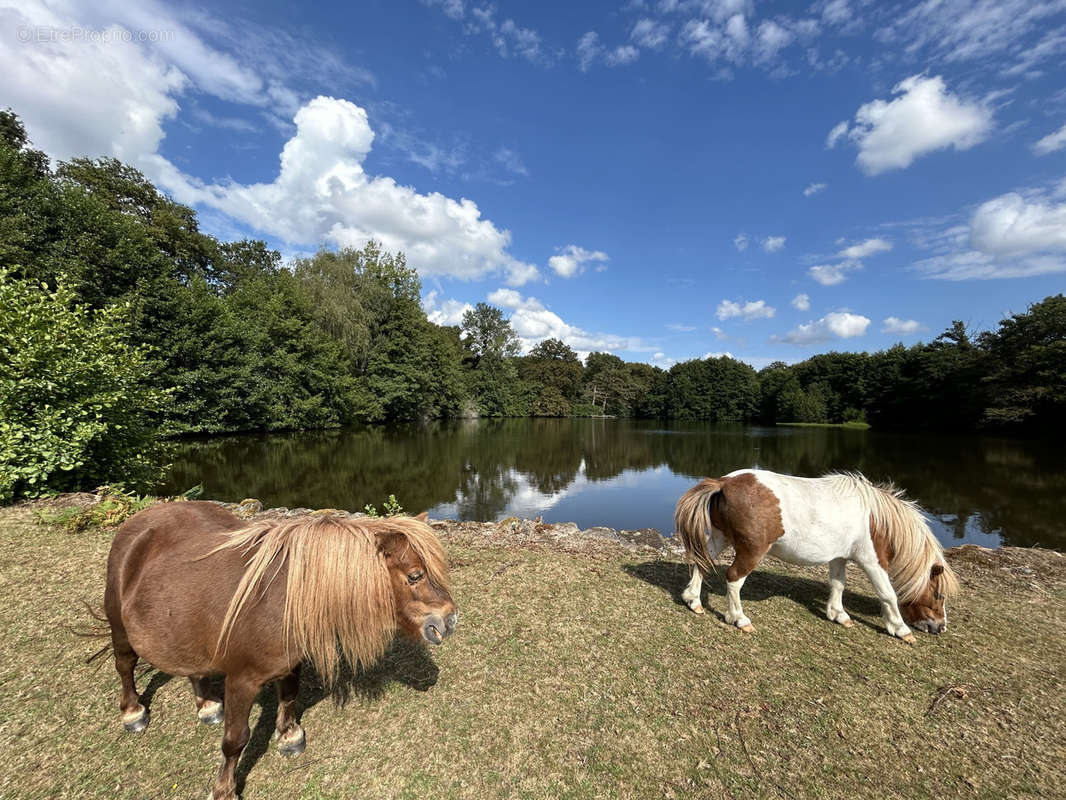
749,628
909,638
292,742
210,713
135,721
848,623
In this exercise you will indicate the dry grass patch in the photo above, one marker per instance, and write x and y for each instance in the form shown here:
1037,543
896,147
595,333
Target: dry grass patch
574,674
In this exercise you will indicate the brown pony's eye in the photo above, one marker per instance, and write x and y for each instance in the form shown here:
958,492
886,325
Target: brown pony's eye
414,577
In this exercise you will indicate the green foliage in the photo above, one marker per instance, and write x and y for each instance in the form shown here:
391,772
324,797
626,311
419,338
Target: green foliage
390,507
716,389
1026,378
75,404
114,506
492,379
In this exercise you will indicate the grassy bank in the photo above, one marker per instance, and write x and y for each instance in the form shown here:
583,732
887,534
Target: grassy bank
575,672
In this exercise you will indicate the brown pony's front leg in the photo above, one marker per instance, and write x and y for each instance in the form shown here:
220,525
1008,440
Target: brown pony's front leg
291,738
208,705
240,694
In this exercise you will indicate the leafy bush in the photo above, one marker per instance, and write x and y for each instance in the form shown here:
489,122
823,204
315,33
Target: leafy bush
392,508
75,406
113,508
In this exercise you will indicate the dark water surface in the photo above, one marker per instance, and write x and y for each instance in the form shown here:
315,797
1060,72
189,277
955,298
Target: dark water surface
628,474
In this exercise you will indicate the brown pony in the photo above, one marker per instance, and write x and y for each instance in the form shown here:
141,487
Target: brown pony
195,591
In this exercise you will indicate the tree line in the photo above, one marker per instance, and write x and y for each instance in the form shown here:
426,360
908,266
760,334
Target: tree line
122,324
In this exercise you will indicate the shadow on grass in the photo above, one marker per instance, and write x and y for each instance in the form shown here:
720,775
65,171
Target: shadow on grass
673,578
405,662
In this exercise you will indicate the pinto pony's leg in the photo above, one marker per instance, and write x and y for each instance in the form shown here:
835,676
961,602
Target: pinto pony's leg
889,606
746,560
691,594
240,694
291,738
834,609
208,706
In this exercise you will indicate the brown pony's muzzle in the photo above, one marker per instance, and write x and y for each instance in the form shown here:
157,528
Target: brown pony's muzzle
435,628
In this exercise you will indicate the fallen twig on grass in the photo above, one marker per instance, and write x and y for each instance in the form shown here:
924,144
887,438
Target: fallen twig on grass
961,691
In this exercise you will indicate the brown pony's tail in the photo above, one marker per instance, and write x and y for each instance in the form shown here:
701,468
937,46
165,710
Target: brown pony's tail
693,521
101,629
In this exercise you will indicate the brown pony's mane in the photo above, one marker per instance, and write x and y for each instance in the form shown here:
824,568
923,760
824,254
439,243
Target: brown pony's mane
914,550
338,588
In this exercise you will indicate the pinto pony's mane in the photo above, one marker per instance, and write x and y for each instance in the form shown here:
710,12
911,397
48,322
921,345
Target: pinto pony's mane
338,587
913,550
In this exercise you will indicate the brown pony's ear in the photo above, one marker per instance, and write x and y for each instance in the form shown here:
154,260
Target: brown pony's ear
423,517
389,541
936,570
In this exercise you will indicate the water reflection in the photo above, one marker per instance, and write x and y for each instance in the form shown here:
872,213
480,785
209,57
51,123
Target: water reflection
628,474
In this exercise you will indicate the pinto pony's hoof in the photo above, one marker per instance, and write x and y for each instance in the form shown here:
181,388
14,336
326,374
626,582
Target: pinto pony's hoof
847,623
292,742
697,609
749,628
135,721
909,638
210,713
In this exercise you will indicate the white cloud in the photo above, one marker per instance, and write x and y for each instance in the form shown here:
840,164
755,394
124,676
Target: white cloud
722,354
649,33
621,55
679,328
814,188
755,309
719,334
924,117
837,324
510,161
1015,235
322,194
590,50
572,259
1010,225
865,249
508,37
901,327
741,242
829,274
771,244
1051,142
834,274
801,302
96,97
533,323
446,312
964,30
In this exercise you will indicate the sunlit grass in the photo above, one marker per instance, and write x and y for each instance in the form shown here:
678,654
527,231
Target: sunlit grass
574,675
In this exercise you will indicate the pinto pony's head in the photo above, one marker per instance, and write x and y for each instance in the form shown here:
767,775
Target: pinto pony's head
908,551
349,582
927,610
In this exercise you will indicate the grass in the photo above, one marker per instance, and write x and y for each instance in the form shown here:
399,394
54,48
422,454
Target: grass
855,426
574,675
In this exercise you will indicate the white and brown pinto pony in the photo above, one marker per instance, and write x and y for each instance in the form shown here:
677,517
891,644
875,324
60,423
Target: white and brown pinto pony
834,519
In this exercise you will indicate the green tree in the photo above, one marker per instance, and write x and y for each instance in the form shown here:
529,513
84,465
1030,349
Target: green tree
492,378
1026,379
75,406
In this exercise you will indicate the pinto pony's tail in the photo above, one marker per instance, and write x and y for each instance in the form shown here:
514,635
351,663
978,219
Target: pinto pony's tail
692,518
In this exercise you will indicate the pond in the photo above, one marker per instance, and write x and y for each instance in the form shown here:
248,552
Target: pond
628,473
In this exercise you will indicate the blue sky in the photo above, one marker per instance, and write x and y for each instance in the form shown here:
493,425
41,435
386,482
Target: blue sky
662,180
